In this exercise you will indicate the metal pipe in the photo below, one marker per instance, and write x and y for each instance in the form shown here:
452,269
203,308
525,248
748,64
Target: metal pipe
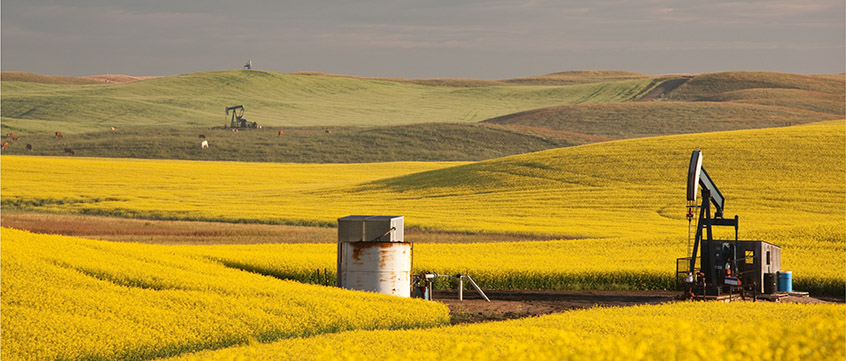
473,283
461,288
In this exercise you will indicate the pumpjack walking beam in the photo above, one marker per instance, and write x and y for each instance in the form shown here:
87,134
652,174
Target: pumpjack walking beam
697,176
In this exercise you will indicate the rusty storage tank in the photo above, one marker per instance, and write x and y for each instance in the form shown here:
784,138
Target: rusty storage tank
372,255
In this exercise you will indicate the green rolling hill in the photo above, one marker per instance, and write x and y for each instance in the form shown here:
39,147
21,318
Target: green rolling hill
578,77
418,142
382,119
710,85
274,99
10,76
643,119
553,79
704,103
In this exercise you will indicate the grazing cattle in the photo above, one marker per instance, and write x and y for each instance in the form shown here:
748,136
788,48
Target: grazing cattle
10,135
14,138
204,144
234,130
202,136
281,132
59,135
113,129
328,131
4,145
29,147
70,150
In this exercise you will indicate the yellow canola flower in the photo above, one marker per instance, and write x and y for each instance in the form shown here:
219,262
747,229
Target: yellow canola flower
676,331
816,255
617,208
71,299
772,178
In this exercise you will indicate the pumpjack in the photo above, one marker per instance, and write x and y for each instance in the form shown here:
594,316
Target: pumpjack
696,177
238,120
726,266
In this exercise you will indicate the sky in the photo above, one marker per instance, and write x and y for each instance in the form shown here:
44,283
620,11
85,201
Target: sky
421,38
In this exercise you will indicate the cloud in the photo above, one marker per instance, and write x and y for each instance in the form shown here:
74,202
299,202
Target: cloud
507,33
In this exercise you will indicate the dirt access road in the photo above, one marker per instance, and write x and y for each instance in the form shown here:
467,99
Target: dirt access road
511,304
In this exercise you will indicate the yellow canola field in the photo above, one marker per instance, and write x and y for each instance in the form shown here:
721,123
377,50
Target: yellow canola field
675,331
192,190
72,299
615,263
772,178
622,201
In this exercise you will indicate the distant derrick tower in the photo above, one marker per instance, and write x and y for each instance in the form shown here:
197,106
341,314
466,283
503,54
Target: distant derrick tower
248,65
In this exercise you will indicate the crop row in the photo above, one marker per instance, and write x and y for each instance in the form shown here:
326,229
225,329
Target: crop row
622,203
815,254
675,331
77,299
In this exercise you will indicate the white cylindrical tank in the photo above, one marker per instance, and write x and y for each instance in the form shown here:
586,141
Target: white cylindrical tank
383,267
372,255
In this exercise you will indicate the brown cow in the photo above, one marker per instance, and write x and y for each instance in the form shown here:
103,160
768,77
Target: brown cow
234,130
70,150
29,147
10,135
59,135
281,132
4,145
328,131
202,136
15,138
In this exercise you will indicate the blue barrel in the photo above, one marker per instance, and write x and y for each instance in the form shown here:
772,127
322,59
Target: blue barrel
785,281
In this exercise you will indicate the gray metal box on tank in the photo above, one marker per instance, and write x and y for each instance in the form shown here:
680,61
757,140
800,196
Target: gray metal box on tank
373,247
370,229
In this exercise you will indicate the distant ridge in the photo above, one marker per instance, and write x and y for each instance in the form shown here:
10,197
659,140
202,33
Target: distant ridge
118,78
344,118
645,119
277,99
450,82
713,84
44,79
553,79
577,77
69,80
701,103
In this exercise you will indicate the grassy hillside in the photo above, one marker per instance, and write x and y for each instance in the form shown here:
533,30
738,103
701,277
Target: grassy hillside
831,103
44,79
418,142
401,119
704,103
553,79
642,119
274,99
577,77
710,85
449,82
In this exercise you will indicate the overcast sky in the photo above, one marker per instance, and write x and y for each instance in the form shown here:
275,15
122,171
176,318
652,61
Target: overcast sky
422,38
